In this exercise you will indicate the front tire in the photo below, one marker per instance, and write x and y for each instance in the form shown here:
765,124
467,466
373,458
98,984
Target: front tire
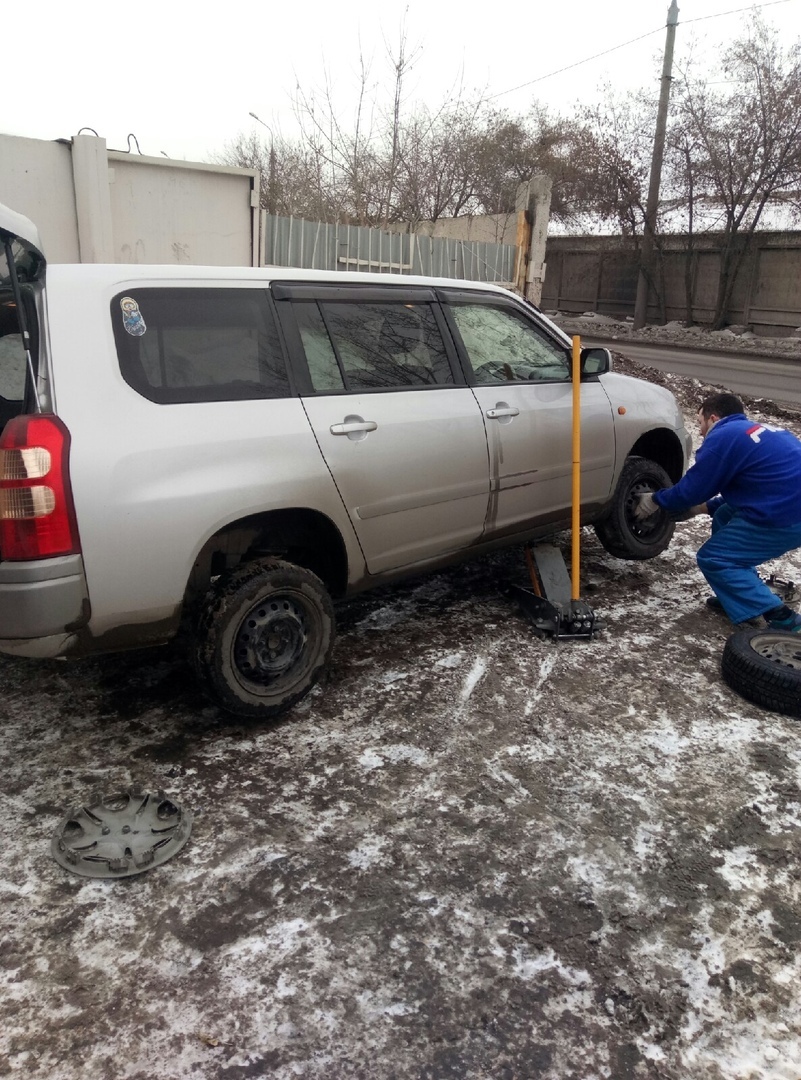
263,638
619,531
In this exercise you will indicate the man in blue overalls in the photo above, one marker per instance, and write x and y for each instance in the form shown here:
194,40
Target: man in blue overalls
747,476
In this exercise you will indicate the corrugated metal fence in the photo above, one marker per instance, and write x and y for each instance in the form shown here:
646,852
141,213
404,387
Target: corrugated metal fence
313,245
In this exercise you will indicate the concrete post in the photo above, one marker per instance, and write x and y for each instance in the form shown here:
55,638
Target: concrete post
539,211
522,237
90,174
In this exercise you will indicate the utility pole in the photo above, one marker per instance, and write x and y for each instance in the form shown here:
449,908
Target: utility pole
651,206
271,194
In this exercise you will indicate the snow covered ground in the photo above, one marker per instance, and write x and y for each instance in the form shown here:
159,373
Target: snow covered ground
472,853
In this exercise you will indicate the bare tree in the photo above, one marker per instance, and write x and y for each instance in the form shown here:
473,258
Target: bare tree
617,160
742,144
291,179
616,163
389,163
685,149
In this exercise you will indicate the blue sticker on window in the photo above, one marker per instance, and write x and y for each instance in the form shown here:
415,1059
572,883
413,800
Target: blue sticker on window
132,317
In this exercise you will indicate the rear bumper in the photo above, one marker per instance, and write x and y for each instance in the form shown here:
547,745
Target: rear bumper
41,648
47,598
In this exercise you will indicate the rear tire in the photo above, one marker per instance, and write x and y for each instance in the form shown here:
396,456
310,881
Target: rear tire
263,638
764,666
619,531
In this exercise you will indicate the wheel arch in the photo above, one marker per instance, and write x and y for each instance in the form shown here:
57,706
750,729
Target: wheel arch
298,535
663,447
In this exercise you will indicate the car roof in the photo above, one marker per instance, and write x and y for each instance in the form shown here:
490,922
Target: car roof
129,273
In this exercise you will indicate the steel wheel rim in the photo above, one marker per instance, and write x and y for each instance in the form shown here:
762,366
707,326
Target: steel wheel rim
646,529
271,640
783,649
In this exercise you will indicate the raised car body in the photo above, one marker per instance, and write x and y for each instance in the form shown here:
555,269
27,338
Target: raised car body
362,427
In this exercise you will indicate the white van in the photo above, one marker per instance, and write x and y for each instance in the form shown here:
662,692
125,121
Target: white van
229,449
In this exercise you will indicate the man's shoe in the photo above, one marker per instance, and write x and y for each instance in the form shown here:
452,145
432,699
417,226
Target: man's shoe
791,623
714,604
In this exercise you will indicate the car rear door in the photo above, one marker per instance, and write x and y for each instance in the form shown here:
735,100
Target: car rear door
520,375
400,431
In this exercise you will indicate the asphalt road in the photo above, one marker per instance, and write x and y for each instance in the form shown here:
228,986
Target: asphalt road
773,377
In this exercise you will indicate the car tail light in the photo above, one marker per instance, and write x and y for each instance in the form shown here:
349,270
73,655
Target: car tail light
37,514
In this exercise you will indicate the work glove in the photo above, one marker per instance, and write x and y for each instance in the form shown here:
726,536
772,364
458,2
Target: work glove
645,506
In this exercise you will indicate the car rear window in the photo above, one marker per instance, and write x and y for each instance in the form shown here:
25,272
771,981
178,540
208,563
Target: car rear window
194,344
13,360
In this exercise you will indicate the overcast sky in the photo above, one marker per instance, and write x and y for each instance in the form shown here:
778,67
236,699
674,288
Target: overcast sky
183,77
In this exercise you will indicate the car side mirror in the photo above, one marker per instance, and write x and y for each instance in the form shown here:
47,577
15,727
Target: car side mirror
595,362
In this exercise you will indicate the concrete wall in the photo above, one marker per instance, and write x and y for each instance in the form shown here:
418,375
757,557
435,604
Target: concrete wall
36,180
92,204
195,214
599,273
485,228
525,228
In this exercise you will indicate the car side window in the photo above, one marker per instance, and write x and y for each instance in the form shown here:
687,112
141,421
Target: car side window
324,370
354,345
503,346
183,345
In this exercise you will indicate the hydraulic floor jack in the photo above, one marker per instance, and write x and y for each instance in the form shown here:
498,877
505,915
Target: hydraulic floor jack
549,604
552,604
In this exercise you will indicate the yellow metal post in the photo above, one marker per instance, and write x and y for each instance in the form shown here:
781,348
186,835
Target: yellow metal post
576,516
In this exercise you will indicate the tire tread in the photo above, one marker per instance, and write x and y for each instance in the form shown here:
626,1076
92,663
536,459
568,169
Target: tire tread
759,679
212,611
612,530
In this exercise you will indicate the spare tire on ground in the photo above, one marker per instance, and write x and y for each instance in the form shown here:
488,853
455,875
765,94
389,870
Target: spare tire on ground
764,666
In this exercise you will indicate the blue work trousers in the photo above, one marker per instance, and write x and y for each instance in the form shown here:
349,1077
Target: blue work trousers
729,558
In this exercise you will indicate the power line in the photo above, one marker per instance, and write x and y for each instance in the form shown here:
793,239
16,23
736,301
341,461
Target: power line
585,61
597,56
735,11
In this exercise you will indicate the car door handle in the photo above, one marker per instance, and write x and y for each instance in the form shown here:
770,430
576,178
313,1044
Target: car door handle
496,414
349,428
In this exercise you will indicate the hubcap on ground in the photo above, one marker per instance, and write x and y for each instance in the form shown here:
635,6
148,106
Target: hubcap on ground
271,639
120,834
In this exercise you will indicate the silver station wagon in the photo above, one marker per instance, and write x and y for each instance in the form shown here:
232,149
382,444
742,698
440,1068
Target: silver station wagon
226,450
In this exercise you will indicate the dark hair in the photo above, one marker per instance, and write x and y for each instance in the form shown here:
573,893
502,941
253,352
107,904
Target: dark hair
721,405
